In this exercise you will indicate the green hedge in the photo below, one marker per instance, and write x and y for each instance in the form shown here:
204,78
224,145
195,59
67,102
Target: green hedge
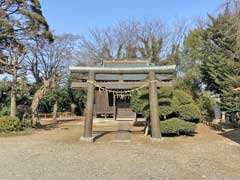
8,124
177,126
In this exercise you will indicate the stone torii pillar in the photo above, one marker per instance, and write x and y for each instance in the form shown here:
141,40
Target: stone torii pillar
88,123
153,100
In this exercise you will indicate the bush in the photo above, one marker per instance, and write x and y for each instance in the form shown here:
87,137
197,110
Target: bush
172,103
182,97
206,104
8,124
137,103
177,126
165,110
26,123
4,111
165,92
189,112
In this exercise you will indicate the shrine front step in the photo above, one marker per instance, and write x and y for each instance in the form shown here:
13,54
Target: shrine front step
125,118
123,134
125,114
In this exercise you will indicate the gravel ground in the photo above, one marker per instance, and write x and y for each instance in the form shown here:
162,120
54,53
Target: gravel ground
57,154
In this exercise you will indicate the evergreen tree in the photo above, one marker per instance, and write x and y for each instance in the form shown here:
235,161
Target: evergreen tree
220,61
19,20
218,54
191,56
189,71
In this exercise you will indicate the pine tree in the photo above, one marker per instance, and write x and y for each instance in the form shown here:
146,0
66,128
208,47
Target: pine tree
20,20
220,62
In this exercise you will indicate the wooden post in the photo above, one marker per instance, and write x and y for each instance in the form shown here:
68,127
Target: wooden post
153,99
87,135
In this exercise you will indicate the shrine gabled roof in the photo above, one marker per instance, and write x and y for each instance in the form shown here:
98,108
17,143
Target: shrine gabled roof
128,77
116,77
126,63
237,89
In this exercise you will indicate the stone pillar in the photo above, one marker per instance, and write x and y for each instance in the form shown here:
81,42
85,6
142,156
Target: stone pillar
87,134
153,100
73,109
223,119
114,106
55,110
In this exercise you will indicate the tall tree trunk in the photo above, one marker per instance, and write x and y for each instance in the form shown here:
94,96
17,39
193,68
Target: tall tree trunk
13,107
39,94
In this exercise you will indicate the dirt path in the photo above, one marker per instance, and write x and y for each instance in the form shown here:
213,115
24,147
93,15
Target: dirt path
58,154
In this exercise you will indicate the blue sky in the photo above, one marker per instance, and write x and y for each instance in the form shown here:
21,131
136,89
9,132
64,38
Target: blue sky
77,16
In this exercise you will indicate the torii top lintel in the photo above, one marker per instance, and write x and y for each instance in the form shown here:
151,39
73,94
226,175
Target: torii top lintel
125,70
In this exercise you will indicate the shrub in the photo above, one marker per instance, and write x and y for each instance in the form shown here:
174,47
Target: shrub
182,97
136,103
165,92
26,123
165,110
8,123
189,112
206,104
4,111
177,126
172,103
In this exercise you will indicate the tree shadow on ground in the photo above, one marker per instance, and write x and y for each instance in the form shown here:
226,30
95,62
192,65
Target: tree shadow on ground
51,125
100,134
139,123
47,127
233,135
143,124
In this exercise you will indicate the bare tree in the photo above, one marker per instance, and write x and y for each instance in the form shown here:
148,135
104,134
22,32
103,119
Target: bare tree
47,59
127,38
151,39
48,63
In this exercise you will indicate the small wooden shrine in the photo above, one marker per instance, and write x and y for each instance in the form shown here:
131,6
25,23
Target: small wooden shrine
111,83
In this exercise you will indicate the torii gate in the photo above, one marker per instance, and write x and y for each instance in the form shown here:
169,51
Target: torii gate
153,97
